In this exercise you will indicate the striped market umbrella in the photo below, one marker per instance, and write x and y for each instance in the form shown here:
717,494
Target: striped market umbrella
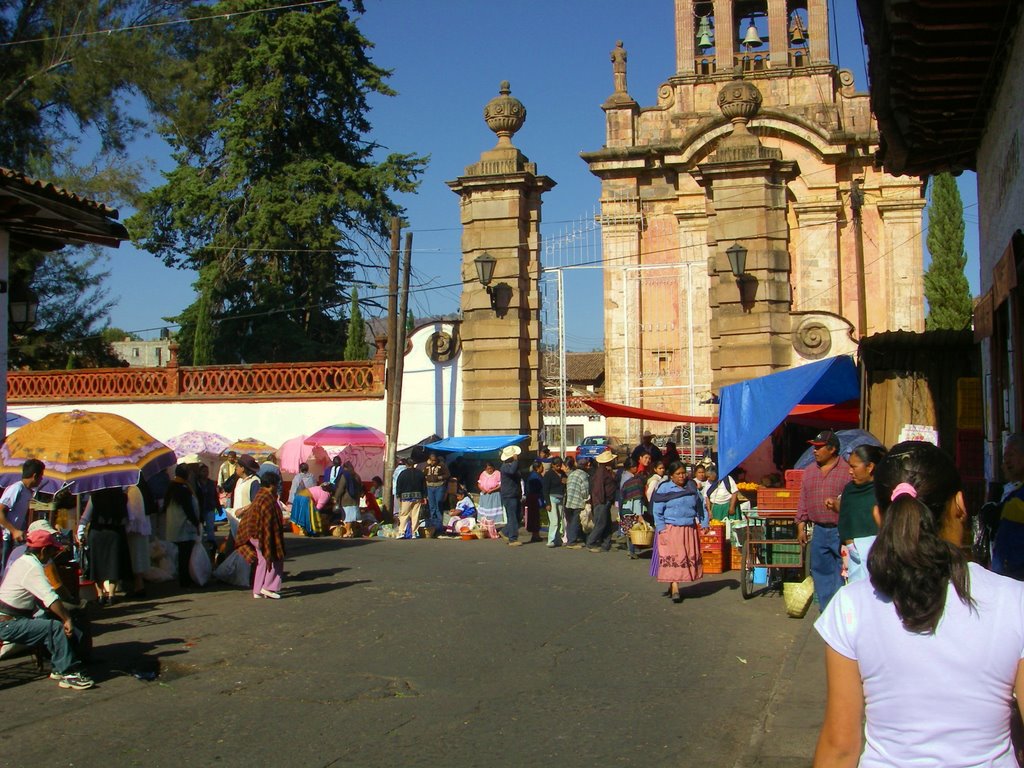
252,446
198,442
338,435
84,450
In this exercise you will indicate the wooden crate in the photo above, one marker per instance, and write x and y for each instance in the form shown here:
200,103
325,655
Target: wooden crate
777,498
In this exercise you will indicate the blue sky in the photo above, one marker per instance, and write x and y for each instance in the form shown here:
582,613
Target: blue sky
448,58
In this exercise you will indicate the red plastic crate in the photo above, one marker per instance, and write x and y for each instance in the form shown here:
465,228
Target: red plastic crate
713,541
777,498
794,478
715,562
970,454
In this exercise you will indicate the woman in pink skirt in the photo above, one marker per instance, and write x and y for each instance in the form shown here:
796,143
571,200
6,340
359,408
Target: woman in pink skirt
679,515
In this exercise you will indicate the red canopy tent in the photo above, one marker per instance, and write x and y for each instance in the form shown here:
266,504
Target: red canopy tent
837,414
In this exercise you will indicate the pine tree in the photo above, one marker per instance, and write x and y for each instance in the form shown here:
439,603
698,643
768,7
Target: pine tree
355,341
945,284
278,183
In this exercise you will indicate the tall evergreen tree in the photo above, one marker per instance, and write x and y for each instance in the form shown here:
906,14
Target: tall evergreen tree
276,183
70,68
356,347
945,284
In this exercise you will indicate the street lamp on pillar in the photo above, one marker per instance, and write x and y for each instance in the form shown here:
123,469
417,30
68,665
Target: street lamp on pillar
737,260
485,264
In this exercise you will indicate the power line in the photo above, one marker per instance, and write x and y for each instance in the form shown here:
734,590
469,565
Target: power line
166,23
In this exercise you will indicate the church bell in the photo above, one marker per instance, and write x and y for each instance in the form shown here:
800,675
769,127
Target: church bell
752,39
796,31
704,37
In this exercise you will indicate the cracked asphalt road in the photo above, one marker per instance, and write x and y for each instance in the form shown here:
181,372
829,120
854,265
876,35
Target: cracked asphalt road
418,653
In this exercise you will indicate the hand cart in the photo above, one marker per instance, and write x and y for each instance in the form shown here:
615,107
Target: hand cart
769,541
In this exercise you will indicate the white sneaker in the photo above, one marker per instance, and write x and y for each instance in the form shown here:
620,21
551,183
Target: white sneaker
271,595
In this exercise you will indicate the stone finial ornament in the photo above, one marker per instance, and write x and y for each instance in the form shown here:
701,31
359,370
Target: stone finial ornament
505,114
739,101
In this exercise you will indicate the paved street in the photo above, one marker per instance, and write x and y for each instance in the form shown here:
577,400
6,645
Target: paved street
434,653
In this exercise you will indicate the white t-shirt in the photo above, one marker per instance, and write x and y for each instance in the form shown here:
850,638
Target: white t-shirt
25,580
723,491
934,700
16,498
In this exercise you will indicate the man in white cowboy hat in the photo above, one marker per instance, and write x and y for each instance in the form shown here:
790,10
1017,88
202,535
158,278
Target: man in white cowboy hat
602,495
647,446
511,492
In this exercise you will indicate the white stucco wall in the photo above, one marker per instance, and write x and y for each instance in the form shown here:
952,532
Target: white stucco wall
1000,171
430,404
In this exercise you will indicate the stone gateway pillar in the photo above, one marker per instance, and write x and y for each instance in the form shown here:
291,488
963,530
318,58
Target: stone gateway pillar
745,183
500,202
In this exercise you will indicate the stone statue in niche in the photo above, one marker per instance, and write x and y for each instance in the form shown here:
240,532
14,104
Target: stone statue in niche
619,67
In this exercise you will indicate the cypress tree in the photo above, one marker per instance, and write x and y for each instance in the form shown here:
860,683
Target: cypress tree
355,341
945,284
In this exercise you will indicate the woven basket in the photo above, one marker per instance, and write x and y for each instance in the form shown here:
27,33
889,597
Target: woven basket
798,596
641,537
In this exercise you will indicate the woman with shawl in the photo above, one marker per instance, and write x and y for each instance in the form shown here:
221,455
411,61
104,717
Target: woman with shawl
631,498
678,511
261,538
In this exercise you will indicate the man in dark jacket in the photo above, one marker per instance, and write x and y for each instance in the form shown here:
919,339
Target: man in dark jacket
602,495
511,493
411,492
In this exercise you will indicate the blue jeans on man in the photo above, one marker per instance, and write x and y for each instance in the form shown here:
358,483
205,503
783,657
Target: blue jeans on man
512,505
435,497
601,536
826,564
45,630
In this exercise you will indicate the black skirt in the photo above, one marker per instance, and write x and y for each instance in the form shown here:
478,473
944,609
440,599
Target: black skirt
109,559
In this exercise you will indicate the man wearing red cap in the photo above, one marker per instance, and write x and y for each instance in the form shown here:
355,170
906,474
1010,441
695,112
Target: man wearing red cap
24,589
821,486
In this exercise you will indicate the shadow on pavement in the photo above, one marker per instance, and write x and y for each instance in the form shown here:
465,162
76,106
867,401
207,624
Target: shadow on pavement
706,588
317,574
316,589
143,660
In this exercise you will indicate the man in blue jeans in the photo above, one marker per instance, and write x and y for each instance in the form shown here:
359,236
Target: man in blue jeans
821,485
436,474
25,587
511,493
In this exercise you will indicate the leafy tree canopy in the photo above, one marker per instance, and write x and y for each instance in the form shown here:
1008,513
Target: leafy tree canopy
276,184
62,78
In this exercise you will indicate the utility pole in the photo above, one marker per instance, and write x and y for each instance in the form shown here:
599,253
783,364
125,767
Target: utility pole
395,404
390,377
856,202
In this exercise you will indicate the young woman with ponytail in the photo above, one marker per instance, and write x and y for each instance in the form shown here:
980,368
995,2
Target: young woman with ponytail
927,653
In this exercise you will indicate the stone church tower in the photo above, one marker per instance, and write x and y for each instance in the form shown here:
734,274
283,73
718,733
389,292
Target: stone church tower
757,143
500,204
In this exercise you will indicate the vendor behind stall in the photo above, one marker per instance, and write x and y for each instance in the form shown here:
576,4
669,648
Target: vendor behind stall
722,495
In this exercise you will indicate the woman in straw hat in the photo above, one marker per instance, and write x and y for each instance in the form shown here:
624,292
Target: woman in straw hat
679,514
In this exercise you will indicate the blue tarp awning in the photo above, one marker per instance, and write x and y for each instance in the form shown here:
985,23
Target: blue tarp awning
476,443
750,410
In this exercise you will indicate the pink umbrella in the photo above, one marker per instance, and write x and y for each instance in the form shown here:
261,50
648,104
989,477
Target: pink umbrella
295,451
339,435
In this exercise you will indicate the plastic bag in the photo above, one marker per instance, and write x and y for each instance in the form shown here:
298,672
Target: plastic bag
234,570
199,566
587,518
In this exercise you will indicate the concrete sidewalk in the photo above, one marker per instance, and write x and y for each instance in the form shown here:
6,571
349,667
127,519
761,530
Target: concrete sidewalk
788,732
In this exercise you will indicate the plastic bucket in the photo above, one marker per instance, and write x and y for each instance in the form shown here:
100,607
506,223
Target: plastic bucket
760,575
